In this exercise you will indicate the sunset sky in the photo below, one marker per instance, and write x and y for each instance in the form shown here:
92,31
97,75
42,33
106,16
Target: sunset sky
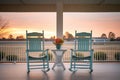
83,21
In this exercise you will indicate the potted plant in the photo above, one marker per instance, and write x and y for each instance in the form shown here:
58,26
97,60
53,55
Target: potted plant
58,42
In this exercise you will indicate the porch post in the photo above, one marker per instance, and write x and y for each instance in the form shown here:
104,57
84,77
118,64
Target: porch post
59,10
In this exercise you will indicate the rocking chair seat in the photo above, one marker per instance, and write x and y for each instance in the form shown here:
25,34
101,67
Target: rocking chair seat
81,58
38,58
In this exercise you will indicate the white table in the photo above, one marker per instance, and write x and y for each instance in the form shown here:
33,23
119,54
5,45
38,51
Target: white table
58,58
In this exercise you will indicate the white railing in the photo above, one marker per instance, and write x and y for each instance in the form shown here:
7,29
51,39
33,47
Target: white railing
108,50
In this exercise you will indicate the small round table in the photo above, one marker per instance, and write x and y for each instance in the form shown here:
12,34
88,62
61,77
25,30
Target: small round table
58,58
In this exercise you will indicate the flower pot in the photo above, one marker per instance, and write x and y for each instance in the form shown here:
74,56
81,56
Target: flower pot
58,46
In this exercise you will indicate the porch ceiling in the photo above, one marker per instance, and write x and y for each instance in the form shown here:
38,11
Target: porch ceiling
68,5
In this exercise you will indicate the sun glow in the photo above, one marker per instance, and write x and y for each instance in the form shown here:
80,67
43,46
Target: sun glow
99,23
21,31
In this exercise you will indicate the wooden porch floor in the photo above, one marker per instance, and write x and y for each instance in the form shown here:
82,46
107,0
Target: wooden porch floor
102,71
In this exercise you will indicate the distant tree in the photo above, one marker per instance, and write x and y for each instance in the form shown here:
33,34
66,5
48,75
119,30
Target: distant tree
118,39
3,27
20,37
64,37
10,36
103,35
111,36
3,38
68,36
52,37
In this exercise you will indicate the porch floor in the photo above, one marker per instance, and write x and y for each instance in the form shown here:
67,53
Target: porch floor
101,71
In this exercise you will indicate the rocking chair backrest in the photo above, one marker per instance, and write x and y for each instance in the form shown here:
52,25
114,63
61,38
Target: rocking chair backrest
35,41
83,41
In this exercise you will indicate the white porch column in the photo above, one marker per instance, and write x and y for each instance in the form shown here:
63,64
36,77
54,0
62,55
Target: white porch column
59,9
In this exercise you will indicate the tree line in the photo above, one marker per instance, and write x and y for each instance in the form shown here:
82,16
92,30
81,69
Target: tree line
110,36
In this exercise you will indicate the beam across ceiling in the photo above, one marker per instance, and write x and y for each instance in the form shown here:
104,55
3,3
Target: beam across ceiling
66,8
28,8
92,8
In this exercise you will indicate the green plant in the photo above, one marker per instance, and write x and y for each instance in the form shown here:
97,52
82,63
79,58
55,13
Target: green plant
11,57
117,56
2,55
100,56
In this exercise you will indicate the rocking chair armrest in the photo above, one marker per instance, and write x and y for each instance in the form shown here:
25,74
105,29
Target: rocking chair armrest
72,51
46,53
46,50
92,50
